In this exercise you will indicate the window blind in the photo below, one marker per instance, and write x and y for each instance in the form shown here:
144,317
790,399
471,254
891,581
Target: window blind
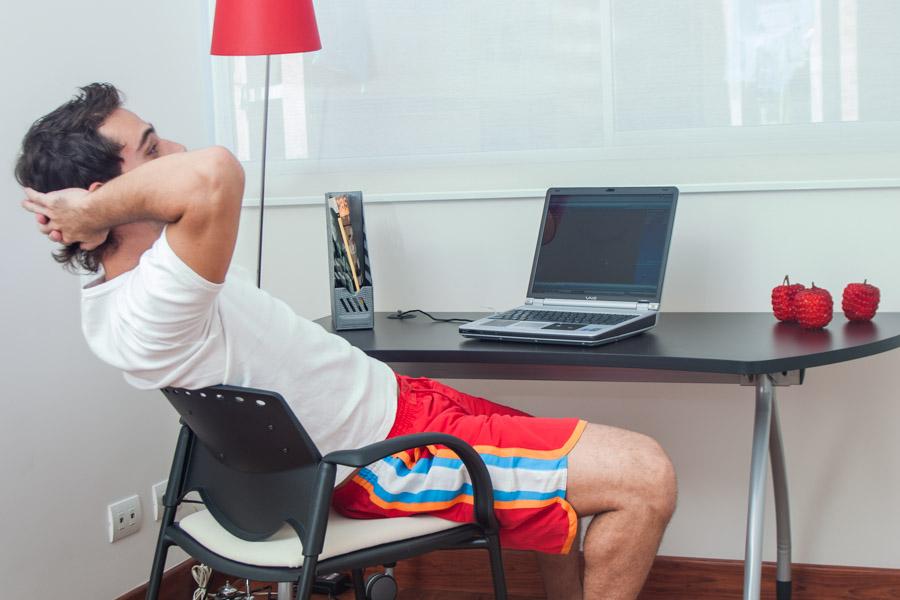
423,96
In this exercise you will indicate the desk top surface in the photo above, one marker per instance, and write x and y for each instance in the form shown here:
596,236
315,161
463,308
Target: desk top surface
733,343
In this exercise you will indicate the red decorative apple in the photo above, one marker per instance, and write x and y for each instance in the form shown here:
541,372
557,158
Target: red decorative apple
813,307
783,299
860,301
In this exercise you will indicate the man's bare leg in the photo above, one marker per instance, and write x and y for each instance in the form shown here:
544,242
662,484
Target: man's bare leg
562,574
628,482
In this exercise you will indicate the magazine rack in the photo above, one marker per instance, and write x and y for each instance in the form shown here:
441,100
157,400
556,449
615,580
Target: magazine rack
352,299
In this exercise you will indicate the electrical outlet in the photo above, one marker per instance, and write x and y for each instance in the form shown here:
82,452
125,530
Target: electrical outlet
193,503
157,492
124,518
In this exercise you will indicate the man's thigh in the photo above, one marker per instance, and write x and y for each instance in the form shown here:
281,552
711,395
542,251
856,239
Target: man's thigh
612,468
446,397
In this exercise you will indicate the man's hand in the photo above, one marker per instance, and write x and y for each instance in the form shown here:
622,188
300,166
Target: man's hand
196,195
61,216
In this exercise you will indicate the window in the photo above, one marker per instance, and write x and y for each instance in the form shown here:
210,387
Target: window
485,98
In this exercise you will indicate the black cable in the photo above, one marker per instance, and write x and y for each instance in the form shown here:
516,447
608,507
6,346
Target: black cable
408,314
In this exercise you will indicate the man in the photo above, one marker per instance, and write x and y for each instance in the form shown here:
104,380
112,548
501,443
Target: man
158,225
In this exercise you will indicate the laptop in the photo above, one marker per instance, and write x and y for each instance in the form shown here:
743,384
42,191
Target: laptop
598,268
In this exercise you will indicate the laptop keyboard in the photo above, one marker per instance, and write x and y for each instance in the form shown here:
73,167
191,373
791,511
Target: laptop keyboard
564,317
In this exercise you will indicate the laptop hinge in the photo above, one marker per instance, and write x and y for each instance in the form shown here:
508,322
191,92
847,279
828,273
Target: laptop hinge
574,303
648,306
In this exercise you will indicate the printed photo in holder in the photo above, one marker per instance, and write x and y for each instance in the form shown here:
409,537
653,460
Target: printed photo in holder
352,301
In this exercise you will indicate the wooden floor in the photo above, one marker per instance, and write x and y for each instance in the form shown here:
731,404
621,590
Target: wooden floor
465,575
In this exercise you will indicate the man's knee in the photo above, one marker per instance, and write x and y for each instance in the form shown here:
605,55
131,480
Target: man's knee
660,489
615,469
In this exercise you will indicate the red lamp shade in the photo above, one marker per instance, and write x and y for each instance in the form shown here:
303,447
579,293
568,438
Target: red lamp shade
253,27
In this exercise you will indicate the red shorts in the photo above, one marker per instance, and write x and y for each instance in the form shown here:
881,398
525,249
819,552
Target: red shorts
527,458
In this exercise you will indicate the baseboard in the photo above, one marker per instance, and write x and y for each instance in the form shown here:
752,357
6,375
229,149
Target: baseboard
177,583
671,578
703,578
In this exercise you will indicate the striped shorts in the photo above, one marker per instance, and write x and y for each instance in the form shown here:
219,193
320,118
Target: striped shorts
527,458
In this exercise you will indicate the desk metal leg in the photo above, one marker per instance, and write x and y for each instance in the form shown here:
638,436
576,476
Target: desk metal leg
286,590
761,427
782,510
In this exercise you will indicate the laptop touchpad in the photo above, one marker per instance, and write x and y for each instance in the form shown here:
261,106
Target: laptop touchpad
564,326
529,324
500,322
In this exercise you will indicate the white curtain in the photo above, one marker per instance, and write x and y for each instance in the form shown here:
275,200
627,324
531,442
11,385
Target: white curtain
429,96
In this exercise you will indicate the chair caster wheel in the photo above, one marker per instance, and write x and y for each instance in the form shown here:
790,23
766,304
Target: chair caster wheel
381,586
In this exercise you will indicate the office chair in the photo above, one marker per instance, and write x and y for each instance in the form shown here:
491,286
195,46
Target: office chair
267,491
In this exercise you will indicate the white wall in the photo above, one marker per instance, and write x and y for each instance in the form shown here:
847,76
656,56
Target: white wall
74,437
729,250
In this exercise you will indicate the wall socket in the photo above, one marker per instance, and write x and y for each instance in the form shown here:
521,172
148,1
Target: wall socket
124,518
191,503
157,492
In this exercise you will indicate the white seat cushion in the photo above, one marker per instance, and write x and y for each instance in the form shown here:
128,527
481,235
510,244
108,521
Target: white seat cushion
285,550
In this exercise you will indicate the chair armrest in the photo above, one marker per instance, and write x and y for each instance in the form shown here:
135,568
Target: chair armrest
482,488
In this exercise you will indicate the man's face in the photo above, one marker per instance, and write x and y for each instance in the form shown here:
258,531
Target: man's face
139,140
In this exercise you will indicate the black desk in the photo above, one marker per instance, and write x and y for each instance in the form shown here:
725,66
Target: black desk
745,348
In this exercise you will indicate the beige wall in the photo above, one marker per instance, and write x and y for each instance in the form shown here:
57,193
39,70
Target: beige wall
73,436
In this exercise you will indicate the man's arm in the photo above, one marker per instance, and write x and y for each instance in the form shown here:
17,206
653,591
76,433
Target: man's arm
197,193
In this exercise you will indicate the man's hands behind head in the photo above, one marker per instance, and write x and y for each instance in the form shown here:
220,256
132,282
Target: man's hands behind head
61,216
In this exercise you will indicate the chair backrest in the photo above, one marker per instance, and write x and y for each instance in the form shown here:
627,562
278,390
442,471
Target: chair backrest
251,461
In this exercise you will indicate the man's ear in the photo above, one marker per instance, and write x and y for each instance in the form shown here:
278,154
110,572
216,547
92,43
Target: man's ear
95,186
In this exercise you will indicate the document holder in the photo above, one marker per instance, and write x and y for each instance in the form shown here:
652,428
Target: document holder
352,300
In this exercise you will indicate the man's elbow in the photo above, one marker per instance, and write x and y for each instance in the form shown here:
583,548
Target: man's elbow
226,169
225,176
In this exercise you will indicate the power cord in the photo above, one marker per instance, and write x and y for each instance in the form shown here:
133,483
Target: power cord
408,314
201,575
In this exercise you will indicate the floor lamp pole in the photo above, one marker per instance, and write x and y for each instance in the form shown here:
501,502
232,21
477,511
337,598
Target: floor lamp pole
262,185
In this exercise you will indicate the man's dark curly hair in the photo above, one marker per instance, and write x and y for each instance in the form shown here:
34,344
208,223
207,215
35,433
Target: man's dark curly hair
64,149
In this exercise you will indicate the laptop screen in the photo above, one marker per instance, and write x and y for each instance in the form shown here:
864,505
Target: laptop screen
604,244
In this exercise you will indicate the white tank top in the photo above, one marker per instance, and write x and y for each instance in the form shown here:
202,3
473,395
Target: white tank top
163,325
